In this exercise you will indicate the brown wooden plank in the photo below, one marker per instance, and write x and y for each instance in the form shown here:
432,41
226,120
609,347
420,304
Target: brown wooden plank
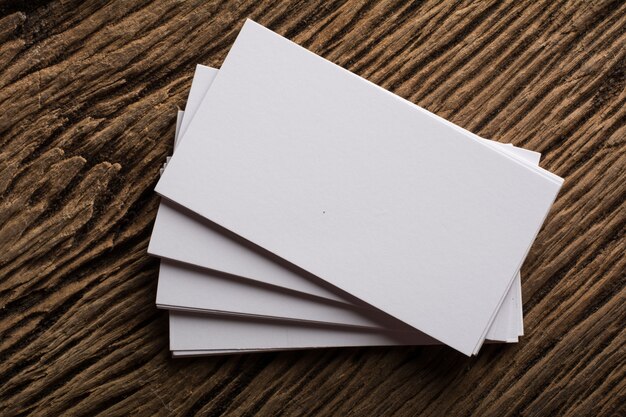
89,90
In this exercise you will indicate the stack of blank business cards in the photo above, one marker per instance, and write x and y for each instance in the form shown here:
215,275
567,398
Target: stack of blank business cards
305,207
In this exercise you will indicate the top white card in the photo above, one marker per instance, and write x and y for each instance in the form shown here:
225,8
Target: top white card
359,187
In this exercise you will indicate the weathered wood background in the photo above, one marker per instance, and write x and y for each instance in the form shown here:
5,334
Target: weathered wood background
88,93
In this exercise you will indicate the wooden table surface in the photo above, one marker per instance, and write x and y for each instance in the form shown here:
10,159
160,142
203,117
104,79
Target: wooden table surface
89,92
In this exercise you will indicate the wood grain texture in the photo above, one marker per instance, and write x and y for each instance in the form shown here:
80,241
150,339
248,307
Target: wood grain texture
88,93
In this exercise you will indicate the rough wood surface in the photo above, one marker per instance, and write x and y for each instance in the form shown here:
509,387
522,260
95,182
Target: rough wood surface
89,90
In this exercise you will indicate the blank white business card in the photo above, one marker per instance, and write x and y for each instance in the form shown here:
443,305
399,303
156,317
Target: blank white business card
187,288
328,171
193,332
199,335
